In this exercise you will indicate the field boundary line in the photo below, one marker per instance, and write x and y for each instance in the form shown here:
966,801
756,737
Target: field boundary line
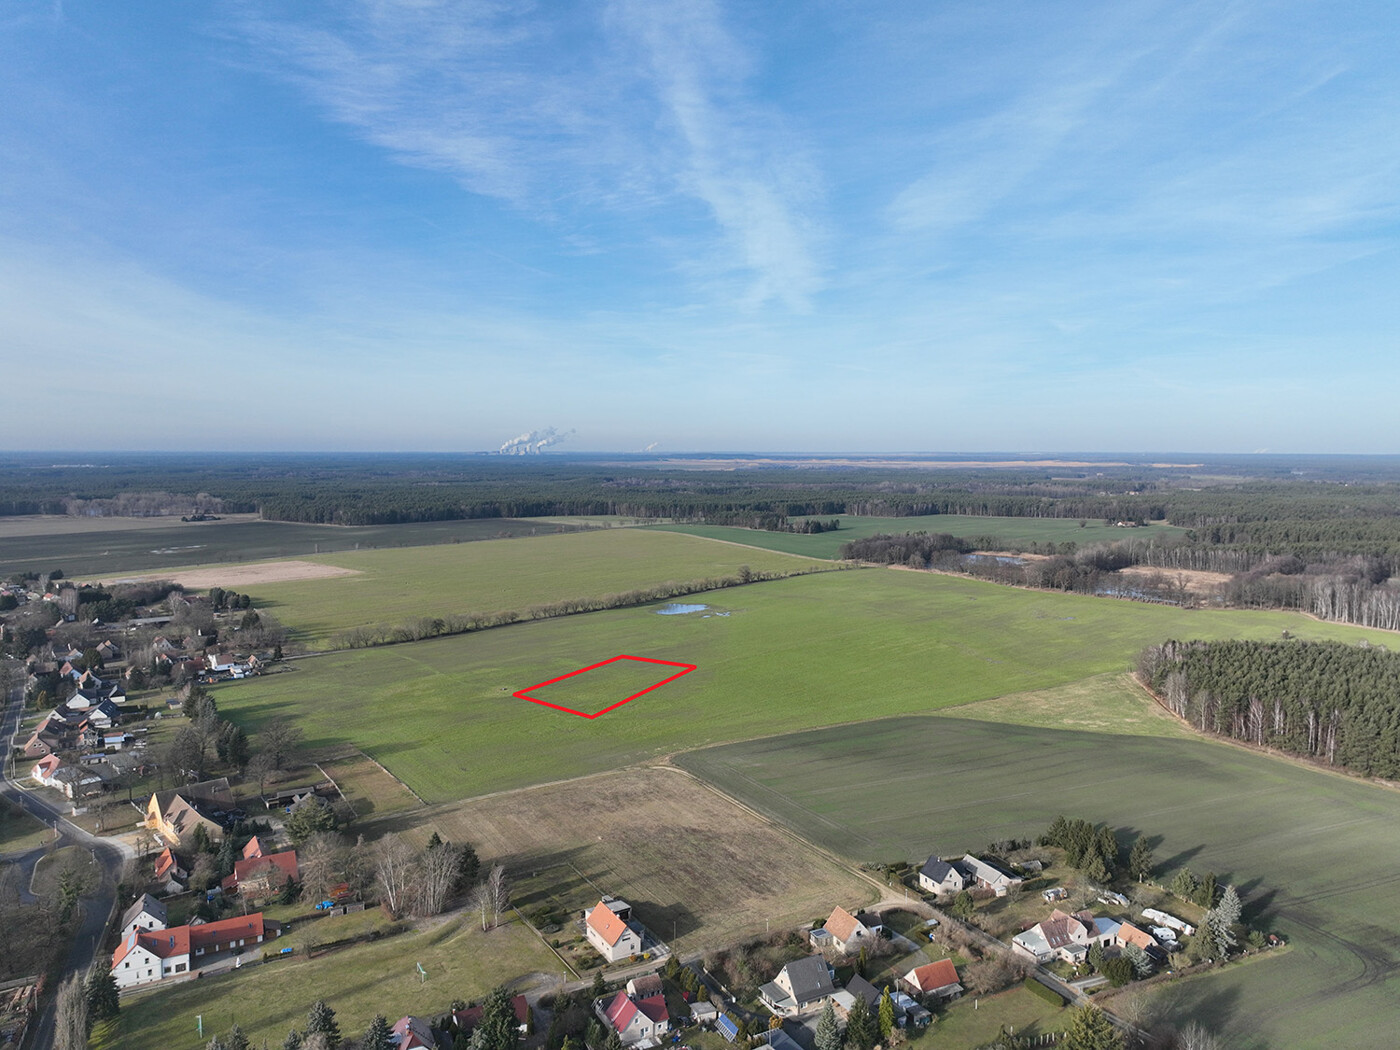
390,776
531,926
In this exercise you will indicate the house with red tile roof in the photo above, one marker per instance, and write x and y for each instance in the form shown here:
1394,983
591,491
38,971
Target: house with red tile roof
610,931
417,1033
938,979
846,932
263,874
146,956
464,1021
636,1021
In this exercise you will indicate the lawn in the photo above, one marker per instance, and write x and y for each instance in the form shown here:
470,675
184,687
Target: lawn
798,653
975,1021
699,870
908,787
1010,533
369,788
19,832
85,552
392,587
268,1000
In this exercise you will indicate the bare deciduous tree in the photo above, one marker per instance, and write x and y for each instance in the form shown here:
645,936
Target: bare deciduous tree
71,1020
321,859
437,871
394,873
498,891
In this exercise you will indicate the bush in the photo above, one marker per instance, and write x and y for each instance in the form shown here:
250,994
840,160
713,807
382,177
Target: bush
1119,971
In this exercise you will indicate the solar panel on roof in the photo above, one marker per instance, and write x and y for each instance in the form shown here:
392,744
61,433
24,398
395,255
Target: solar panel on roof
727,1028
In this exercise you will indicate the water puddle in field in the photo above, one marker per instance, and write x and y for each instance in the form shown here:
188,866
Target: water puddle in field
679,609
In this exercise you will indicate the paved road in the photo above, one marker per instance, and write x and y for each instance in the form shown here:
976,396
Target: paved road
108,855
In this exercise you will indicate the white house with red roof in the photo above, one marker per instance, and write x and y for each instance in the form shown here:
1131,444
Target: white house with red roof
847,933
939,979
638,1022
146,956
609,930
415,1033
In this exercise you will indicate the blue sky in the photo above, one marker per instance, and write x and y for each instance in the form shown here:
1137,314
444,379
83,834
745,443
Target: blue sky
778,226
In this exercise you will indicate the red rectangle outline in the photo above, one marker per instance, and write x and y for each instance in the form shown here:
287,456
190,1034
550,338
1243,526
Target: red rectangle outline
523,694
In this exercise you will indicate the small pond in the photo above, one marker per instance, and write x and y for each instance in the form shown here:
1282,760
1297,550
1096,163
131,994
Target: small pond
679,609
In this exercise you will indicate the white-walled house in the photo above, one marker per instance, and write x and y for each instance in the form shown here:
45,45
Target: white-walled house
610,932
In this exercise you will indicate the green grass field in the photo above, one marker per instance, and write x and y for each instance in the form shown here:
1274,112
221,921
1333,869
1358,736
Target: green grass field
89,554
399,585
268,1000
1313,853
1012,532
804,652
19,831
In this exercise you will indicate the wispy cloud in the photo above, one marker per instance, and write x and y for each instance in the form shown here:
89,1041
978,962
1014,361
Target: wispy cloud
478,92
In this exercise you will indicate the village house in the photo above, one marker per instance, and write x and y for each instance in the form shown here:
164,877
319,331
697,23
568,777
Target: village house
938,980
1065,936
610,931
800,986
941,878
417,1033
173,815
988,876
262,874
43,769
146,914
844,932
637,1022
171,872
147,956
464,1021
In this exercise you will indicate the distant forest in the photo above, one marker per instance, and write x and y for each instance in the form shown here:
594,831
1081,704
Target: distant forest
1323,700
1315,533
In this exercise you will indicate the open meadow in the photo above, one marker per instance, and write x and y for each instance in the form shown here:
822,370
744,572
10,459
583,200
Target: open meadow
699,870
87,548
1010,533
395,586
1313,854
771,657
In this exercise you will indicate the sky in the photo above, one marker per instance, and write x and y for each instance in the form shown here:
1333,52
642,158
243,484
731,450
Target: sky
686,225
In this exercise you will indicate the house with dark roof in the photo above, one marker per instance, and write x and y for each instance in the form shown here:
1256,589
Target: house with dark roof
800,986
610,931
637,1022
859,986
146,914
989,876
941,878
174,815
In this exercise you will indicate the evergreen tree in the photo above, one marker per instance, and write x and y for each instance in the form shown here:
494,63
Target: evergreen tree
1221,919
104,1000
861,1026
828,1034
236,1039
320,1020
963,906
1089,1029
1205,894
293,1040
613,1041
498,1028
1185,884
1140,860
860,961
886,1015
593,1035
377,1035
600,986
215,1043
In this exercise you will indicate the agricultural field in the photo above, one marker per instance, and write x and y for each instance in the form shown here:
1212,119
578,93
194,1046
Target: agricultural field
391,587
266,1001
771,657
904,788
87,548
699,870
1011,533
369,788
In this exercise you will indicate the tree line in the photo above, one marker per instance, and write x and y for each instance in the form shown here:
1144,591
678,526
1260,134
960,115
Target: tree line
1324,700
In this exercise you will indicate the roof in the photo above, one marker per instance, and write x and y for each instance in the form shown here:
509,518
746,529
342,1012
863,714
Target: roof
606,924
409,1032
147,904
780,1040
935,870
727,1027
163,944
842,924
858,985
1130,934
239,927
253,848
650,984
986,871
166,861
285,863
810,978
469,1018
933,976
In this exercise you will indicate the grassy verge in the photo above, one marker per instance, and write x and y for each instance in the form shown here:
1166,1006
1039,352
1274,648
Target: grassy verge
19,832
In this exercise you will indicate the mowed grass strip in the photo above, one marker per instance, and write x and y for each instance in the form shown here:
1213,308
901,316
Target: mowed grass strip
696,867
1012,532
267,1001
395,586
1313,854
797,653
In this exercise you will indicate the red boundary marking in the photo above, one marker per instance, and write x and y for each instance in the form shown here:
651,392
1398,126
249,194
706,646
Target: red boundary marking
523,694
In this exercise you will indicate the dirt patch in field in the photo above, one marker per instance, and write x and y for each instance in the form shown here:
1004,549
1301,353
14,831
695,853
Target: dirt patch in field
694,865
240,576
